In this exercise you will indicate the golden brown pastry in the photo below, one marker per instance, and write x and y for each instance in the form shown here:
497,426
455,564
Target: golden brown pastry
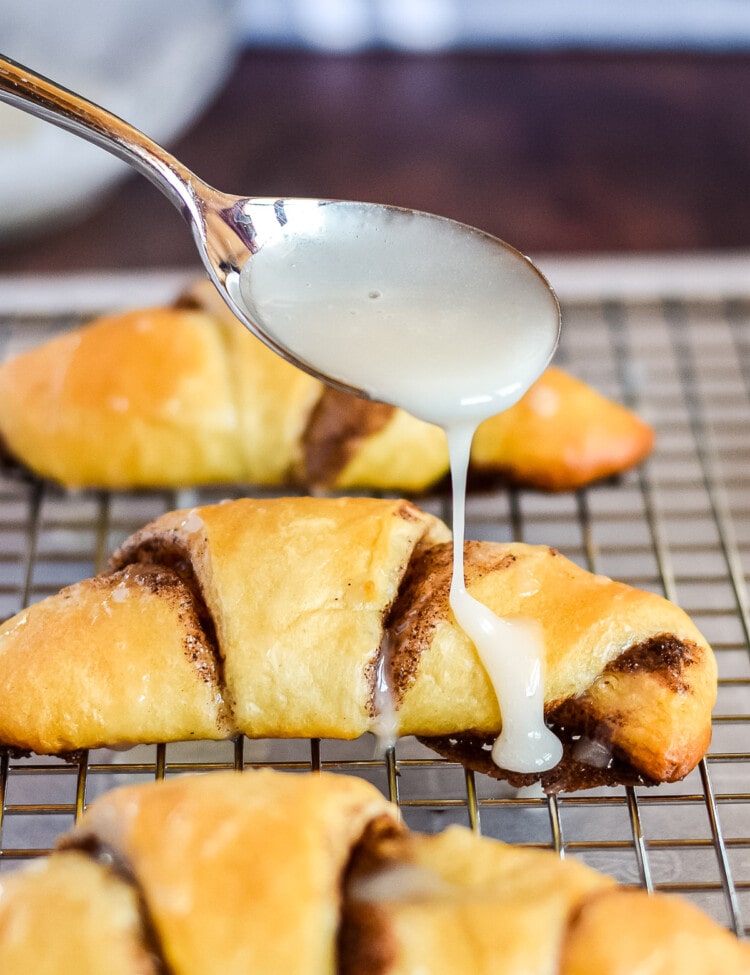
561,435
68,914
186,396
313,874
668,935
279,618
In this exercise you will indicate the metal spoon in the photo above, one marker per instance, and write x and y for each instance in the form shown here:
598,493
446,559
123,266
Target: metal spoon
258,253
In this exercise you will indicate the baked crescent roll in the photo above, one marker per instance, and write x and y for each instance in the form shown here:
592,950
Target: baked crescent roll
313,874
314,617
460,903
172,397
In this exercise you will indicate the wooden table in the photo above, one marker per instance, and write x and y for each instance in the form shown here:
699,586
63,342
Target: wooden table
555,152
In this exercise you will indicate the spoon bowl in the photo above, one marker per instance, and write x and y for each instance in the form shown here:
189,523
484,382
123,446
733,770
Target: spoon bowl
328,283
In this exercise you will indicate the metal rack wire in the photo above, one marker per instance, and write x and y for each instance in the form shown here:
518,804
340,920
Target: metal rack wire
679,525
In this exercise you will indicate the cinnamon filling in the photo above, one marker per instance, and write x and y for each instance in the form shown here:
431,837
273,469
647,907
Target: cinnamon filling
108,859
168,554
365,941
165,558
338,425
422,603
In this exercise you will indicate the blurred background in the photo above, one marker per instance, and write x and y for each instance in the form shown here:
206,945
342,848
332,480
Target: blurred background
562,126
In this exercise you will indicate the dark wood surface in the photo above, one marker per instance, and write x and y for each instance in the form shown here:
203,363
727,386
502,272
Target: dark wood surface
555,152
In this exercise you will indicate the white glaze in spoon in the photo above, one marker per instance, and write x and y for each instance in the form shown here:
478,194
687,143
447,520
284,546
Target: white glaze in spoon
413,309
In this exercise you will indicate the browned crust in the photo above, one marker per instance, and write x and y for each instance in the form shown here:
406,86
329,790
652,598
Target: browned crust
664,657
338,425
175,584
168,550
569,775
585,728
666,934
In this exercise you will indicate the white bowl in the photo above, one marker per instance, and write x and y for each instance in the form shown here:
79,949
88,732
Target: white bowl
156,64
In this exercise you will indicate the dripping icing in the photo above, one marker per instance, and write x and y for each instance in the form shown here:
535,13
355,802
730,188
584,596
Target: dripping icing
385,723
511,651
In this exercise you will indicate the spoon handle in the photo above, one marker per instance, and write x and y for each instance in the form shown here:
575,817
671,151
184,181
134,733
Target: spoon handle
37,95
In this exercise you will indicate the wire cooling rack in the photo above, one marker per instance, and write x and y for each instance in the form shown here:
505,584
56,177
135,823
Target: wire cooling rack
680,525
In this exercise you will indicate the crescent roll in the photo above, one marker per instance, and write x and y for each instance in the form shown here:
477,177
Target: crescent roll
179,396
313,874
314,617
